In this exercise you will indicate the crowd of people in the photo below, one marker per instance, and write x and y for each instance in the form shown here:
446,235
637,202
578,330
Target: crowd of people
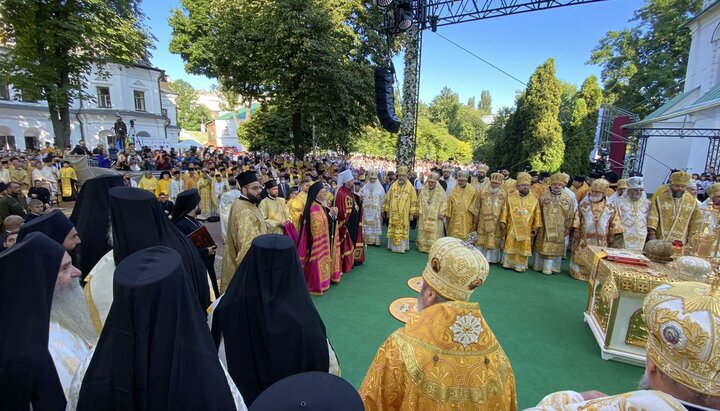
137,316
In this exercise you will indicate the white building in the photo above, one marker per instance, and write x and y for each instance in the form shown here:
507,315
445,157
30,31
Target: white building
137,93
211,100
684,133
222,132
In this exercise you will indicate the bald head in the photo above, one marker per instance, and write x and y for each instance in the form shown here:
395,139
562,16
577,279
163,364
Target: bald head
13,223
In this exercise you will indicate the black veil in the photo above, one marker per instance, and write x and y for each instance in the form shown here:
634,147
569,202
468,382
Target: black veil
305,219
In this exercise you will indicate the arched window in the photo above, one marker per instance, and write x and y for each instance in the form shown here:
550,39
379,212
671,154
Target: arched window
31,138
716,34
107,137
7,140
140,138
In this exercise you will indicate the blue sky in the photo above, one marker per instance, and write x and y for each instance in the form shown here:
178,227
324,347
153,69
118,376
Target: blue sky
517,44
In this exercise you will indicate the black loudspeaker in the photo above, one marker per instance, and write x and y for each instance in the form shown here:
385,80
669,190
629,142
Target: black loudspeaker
385,100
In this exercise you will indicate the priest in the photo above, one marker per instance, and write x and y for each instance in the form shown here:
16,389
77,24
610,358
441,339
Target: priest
348,221
68,182
674,214
490,204
634,208
461,213
297,204
56,226
226,201
446,357
481,183
400,206
184,216
274,209
373,195
318,250
432,205
244,224
557,210
520,220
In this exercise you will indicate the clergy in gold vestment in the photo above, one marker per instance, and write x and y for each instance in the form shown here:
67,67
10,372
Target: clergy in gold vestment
432,204
245,223
481,182
557,210
446,357
208,202
401,206
274,209
296,205
520,219
190,179
460,211
68,181
674,214
163,184
489,205
596,222
579,188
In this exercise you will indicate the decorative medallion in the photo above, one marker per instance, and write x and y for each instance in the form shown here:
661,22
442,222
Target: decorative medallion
673,335
466,330
403,309
415,283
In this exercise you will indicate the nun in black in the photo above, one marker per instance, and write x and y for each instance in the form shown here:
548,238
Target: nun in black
155,351
91,216
138,222
186,208
266,323
28,379
56,226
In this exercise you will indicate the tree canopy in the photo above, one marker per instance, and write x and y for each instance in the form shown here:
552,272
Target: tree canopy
579,133
190,114
56,45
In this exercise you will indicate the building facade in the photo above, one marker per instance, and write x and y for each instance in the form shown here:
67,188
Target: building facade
684,133
138,93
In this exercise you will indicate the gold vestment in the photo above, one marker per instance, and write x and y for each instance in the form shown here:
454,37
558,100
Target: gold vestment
489,208
520,215
400,203
593,224
67,176
431,206
245,223
297,206
446,358
275,212
557,212
461,212
675,219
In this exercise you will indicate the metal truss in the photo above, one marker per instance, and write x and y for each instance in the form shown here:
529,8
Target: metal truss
638,138
437,13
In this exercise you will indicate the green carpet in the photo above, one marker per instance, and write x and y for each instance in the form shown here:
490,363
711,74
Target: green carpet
537,319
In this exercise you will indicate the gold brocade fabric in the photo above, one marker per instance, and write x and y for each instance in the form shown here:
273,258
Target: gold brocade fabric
461,212
208,202
297,206
509,185
674,219
190,182
275,212
520,215
244,224
580,191
21,177
594,222
163,186
67,175
431,205
558,213
446,358
539,189
616,277
400,202
489,206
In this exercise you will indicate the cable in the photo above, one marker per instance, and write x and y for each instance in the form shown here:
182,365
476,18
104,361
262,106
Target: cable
482,59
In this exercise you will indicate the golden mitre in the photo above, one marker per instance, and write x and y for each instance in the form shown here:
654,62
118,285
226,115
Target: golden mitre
680,177
559,178
402,171
497,178
622,184
683,323
483,167
713,190
463,175
523,178
600,185
434,176
455,268
372,173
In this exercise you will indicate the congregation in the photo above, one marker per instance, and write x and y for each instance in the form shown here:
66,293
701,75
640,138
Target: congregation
138,318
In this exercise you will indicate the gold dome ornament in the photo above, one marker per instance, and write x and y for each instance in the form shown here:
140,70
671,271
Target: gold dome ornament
497,178
680,177
683,323
523,178
659,251
455,268
600,185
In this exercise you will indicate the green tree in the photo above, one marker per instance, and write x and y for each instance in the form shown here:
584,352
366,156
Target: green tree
567,103
310,57
56,45
535,132
580,133
190,114
643,66
485,104
489,152
444,107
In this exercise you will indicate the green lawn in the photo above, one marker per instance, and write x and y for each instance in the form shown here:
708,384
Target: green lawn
537,318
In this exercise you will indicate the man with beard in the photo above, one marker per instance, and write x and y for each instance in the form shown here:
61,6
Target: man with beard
432,205
274,209
448,179
674,214
448,334
184,217
482,183
177,186
400,206
634,208
373,195
226,201
509,184
297,203
28,376
348,221
461,213
579,187
520,220
683,347
557,211
244,224
490,204
11,202
596,222
56,226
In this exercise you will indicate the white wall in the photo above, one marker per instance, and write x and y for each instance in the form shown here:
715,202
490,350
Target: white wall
704,58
